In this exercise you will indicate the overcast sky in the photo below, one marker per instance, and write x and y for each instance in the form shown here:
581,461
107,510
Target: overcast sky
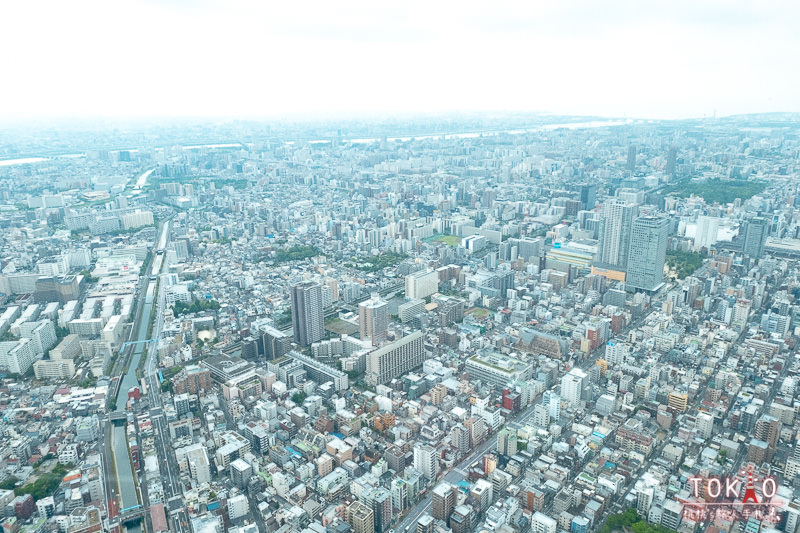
262,58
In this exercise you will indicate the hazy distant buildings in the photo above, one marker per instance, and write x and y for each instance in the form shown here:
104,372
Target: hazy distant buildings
672,161
307,313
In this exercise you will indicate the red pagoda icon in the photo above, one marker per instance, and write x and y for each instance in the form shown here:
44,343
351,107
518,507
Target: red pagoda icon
750,493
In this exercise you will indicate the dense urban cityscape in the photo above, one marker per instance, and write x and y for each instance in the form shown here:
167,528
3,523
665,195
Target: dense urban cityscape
516,323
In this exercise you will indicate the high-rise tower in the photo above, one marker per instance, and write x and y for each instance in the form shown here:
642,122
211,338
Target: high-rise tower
307,314
648,249
373,319
615,234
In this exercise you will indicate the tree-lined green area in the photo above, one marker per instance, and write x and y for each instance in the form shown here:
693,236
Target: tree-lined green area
685,263
631,521
295,253
46,484
299,397
88,276
716,190
375,263
196,306
168,374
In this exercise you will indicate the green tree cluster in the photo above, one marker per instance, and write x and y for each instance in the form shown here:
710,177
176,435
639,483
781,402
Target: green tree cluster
88,276
296,253
630,521
46,484
196,306
685,263
299,397
376,262
716,190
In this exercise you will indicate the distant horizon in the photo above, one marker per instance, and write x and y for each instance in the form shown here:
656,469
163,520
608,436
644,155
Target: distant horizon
247,58
344,117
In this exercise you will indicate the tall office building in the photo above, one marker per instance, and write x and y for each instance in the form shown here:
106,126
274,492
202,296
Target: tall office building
443,500
275,343
672,161
589,196
572,386
425,460
632,158
755,236
426,524
395,359
373,319
705,233
615,235
422,284
704,423
648,250
307,315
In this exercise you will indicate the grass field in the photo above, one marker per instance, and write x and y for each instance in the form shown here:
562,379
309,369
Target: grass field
449,240
340,327
478,312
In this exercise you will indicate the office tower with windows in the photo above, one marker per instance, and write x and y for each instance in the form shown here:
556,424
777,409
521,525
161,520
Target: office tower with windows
631,158
307,314
589,196
755,236
615,234
373,319
648,249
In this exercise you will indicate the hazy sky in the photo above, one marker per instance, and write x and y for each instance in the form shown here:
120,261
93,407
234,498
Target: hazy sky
639,58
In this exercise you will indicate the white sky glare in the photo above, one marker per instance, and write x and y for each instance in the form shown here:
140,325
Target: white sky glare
242,58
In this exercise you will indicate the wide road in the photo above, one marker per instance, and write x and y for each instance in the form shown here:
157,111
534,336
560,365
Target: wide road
168,466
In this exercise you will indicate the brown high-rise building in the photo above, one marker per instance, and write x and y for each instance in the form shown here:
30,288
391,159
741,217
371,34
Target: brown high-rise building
191,380
768,429
461,519
361,518
444,500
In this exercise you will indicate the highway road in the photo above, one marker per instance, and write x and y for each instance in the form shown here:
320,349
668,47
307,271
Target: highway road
168,466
